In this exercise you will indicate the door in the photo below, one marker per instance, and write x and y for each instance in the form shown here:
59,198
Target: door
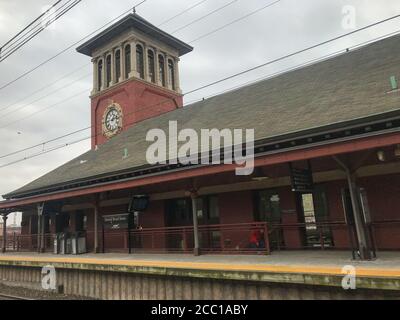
179,213
208,215
316,215
269,210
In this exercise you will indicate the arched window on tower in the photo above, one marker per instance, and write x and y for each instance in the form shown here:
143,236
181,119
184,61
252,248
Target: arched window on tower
127,61
152,73
140,61
108,63
171,74
99,74
117,65
161,71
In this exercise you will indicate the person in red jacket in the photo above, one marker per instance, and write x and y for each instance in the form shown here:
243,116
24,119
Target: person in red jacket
255,239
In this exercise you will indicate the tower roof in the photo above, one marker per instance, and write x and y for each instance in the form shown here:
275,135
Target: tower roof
135,22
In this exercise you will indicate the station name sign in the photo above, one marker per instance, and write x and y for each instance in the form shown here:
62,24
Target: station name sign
117,221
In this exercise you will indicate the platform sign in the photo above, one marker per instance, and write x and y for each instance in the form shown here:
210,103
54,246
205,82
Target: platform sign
117,221
302,179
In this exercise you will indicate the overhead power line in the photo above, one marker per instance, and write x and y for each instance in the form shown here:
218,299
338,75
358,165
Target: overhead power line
205,16
235,21
213,83
47,20
44,152
80,68
67,48
182,12
36,27
29,25
11,112
45,109
45,87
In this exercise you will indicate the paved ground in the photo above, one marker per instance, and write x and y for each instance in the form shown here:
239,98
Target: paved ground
319,260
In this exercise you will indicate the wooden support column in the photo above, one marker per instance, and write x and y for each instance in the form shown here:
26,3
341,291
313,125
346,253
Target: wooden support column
358,220
96,225
4,245
42,234
364,251
39,228
196,249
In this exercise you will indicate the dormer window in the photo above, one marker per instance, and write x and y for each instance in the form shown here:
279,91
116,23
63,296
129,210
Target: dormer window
117,65
161,71
127,61
152,73
140,61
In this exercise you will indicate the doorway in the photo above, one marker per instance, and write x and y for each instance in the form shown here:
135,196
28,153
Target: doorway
315,212
179,213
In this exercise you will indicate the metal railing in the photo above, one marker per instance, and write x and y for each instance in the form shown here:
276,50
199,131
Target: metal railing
220,238
27,242
310,235
228,238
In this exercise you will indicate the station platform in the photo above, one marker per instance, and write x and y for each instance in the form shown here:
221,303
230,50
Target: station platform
291,267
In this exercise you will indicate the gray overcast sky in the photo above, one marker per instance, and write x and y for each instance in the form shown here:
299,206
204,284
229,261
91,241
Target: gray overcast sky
275,31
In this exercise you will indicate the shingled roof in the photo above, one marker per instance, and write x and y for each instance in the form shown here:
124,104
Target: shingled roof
346,88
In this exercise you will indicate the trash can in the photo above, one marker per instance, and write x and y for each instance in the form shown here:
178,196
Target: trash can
82,243
61,242
78,243
56,246
68,244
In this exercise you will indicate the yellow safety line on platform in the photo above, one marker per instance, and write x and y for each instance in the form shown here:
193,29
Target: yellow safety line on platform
304,269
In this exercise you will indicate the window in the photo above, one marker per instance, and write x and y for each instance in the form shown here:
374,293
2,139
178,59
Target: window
127,61
161,71
108,62
179,212
214,210
81,221
268,207
151,66
99,74
171,74
117,65
139,61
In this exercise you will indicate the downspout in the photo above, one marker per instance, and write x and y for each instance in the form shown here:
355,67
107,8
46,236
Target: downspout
361,236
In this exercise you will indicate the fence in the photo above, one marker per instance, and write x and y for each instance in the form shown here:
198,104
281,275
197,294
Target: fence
226,238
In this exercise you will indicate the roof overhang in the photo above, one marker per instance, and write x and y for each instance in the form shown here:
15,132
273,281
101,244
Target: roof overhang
133,22
315,150
378,124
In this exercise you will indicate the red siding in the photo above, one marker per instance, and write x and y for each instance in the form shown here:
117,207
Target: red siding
138,100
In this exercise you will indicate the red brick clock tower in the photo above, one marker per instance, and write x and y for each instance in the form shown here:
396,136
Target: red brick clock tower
135,75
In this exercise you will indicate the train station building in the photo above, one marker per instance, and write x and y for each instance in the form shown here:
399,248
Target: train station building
326,158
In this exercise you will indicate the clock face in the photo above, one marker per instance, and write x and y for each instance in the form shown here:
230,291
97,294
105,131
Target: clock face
112,120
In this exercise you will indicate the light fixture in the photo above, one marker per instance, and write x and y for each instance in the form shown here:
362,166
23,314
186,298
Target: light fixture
381,156
258,175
